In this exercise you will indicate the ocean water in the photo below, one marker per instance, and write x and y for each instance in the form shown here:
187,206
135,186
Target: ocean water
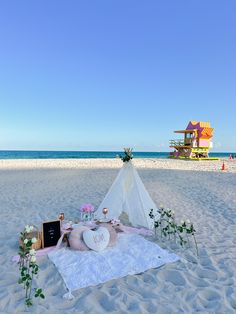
20,154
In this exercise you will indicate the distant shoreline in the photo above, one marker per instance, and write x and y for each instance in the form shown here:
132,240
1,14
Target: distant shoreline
29,154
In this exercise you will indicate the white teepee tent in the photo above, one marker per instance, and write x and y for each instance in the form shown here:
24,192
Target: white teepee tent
128,194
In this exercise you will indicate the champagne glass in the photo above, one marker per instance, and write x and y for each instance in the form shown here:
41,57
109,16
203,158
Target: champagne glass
105,212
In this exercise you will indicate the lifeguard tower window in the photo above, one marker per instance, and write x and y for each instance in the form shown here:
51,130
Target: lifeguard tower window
189,135
188,139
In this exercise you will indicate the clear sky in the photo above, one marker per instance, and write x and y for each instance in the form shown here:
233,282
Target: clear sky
104,74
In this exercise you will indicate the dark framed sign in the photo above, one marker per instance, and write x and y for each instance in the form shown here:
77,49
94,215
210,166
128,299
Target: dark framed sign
51,233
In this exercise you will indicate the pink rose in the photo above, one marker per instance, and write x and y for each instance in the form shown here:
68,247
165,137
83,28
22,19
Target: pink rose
87,208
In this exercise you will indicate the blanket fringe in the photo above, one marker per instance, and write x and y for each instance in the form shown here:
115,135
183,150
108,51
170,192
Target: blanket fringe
68,296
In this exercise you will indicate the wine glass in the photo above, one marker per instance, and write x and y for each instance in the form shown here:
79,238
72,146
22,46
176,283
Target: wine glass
61,217
105,212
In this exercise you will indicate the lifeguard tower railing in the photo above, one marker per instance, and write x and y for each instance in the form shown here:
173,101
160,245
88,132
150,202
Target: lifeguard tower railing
178,142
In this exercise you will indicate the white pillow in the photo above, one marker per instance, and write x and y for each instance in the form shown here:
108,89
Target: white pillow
97,240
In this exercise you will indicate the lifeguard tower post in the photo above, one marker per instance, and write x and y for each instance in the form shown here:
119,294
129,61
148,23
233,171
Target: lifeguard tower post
196,142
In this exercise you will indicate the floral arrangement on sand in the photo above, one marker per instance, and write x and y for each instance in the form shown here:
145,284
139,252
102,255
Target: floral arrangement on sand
168,227
128,155
28,265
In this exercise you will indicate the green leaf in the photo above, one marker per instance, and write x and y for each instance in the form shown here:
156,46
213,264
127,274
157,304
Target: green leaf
28,302
28,276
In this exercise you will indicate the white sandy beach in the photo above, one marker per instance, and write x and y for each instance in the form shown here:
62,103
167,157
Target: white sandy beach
33,191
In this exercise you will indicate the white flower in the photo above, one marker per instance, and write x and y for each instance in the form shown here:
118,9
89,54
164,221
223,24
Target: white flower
182,222
28,228
33,259
25,241
188,221
32,252
173,212
34,240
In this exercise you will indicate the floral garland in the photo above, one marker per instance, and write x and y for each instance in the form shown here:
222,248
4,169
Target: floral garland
27,265
164,221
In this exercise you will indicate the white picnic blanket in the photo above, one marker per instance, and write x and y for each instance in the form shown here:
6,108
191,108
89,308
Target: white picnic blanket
131,255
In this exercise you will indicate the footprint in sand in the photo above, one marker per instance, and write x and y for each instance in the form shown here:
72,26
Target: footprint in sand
206,274
210,295
173,276
231,297
198,282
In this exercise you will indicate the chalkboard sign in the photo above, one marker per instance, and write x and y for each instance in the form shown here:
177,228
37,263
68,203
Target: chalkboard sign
51,233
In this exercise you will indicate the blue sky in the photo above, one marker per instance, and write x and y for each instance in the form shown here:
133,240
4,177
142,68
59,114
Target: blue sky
104,74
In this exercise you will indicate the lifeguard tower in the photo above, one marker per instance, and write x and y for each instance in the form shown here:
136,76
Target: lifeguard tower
196,142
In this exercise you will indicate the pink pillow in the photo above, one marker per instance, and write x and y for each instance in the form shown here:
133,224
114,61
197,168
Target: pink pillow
76,239
113,234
